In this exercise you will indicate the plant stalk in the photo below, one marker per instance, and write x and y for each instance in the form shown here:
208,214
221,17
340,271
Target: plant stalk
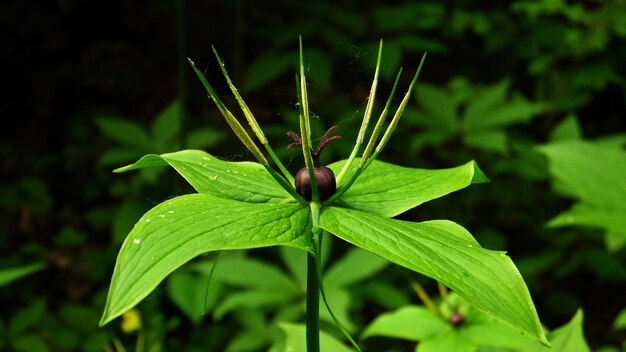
312,306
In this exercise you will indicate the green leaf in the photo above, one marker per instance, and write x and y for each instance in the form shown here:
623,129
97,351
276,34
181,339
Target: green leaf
12,274
28,317
167,124
243,181
439,105
355,266
295,340
446,252
620,320
451,340
567,338
188,292
511,113
255,298
567,129
490,141
595,173
126,133
484,330
592,172
253,273
486,101
204,138
582,214
266,68
176,231
413,323
388,190
29,343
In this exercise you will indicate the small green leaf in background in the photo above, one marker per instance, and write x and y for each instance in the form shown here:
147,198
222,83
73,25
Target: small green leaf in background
595,174
167,125
188,291
126,133
413,323
567,338
12,274
28,317
620,320
568,129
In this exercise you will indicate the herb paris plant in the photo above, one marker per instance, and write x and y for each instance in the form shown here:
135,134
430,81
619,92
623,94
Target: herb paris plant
249,205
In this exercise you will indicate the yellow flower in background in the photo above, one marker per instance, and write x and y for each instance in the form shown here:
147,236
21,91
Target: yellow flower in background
131,321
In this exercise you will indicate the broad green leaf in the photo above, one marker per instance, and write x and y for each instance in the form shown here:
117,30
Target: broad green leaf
125,132
567,338
167,124
243,181
12,274
413,323
450,340
176,231
355,266
446,252
295,340
253,273
388,190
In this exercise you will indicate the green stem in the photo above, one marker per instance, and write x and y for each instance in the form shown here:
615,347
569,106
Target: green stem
312,306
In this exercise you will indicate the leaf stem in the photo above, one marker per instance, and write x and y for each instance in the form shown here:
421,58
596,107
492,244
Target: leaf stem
312,306
421,293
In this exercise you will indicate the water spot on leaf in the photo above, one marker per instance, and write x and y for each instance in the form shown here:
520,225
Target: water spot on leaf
213,177
206,158
136,241
161,215
148,220
170,212
470,246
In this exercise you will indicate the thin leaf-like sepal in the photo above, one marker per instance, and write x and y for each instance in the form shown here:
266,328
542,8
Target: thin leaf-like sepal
305,129
448,253
366,117
178,230
252,120
240,132
396,117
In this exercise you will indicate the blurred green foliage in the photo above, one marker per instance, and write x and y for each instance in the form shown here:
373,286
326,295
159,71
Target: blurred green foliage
533,90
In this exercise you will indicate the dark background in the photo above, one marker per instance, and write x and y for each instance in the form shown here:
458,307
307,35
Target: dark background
70,64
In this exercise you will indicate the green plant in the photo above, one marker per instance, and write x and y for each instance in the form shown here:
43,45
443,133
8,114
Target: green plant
250,205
